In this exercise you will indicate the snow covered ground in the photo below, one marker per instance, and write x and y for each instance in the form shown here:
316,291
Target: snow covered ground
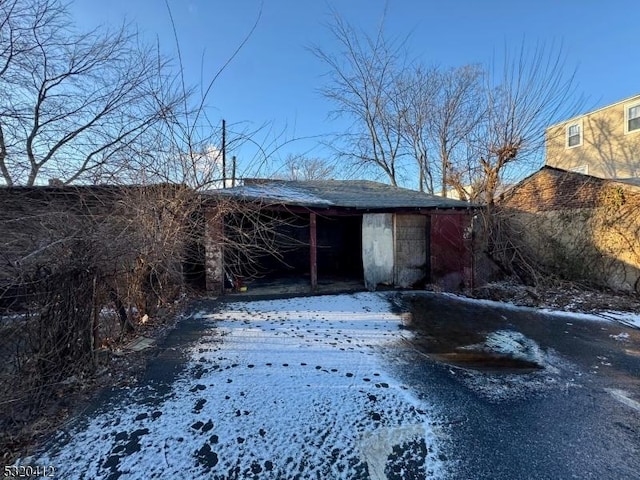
630,319
303,388
277,389
626,318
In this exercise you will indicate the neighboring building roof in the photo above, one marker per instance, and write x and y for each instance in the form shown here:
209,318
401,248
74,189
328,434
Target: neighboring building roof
80,188
356,194
629,181
634,181
633,98
102,196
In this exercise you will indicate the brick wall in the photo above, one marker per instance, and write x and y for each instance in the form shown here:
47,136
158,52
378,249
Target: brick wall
551,189
579,227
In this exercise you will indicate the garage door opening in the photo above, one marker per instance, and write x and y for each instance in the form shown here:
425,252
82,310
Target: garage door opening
287,260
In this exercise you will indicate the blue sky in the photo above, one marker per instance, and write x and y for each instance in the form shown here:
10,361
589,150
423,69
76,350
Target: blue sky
275,79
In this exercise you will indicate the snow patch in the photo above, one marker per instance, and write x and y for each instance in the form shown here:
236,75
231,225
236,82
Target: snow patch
292,388
629,319
623,397
500,386
512,344
273,192
621,337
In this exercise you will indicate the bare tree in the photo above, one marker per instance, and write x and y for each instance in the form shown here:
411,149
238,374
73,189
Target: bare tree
526,93
300,167
440,110
72,103
458,111
529,92
362,80
464,126
417,90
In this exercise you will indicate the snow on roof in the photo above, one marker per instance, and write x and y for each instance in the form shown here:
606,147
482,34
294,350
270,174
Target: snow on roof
358,194
280,193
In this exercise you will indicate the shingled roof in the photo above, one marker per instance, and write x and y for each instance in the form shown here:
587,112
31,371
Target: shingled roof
355,194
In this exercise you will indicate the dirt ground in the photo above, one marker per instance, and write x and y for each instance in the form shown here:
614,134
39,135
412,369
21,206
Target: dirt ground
568,297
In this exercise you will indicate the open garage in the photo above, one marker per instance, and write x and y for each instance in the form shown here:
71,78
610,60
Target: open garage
332,231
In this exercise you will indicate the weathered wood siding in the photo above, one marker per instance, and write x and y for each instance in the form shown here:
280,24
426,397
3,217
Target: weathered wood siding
411,235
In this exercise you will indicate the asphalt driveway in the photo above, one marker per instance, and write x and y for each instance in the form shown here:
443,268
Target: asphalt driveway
576,415
353,386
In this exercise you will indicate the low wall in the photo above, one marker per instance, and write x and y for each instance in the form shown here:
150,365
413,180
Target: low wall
599,245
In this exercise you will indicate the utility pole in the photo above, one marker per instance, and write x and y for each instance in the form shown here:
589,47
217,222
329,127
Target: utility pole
224,153
233,171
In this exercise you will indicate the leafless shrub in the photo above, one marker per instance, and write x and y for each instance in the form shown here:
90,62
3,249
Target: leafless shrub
504,240
589,236
71,255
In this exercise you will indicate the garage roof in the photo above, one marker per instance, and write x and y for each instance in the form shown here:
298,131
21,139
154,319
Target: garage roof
357,194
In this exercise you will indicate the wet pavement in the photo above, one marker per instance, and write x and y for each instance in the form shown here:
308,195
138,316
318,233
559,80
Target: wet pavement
389,385
575,415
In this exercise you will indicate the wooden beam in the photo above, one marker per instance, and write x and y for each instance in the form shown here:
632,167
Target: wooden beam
313,250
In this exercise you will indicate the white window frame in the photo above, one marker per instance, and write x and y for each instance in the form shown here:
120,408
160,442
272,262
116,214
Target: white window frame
583,169
627,108
568,128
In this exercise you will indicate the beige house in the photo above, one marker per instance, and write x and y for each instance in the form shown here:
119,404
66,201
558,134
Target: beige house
604,143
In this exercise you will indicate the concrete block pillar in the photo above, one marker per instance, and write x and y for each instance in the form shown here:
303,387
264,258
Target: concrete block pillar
214,252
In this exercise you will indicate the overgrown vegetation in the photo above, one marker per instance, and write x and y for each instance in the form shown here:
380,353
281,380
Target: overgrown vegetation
82,269
84,266
597,245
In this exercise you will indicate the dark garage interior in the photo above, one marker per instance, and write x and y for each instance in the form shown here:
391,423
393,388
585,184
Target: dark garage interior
339,249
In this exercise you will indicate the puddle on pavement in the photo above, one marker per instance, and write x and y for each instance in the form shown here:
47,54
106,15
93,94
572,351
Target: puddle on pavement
488,361
454,337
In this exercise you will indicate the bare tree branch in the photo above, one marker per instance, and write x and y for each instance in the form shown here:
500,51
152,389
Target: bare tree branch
362,78
300,167
70,100
531,91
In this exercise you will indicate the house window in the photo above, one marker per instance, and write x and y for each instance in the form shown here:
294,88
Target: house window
574,135
632,120
583,169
